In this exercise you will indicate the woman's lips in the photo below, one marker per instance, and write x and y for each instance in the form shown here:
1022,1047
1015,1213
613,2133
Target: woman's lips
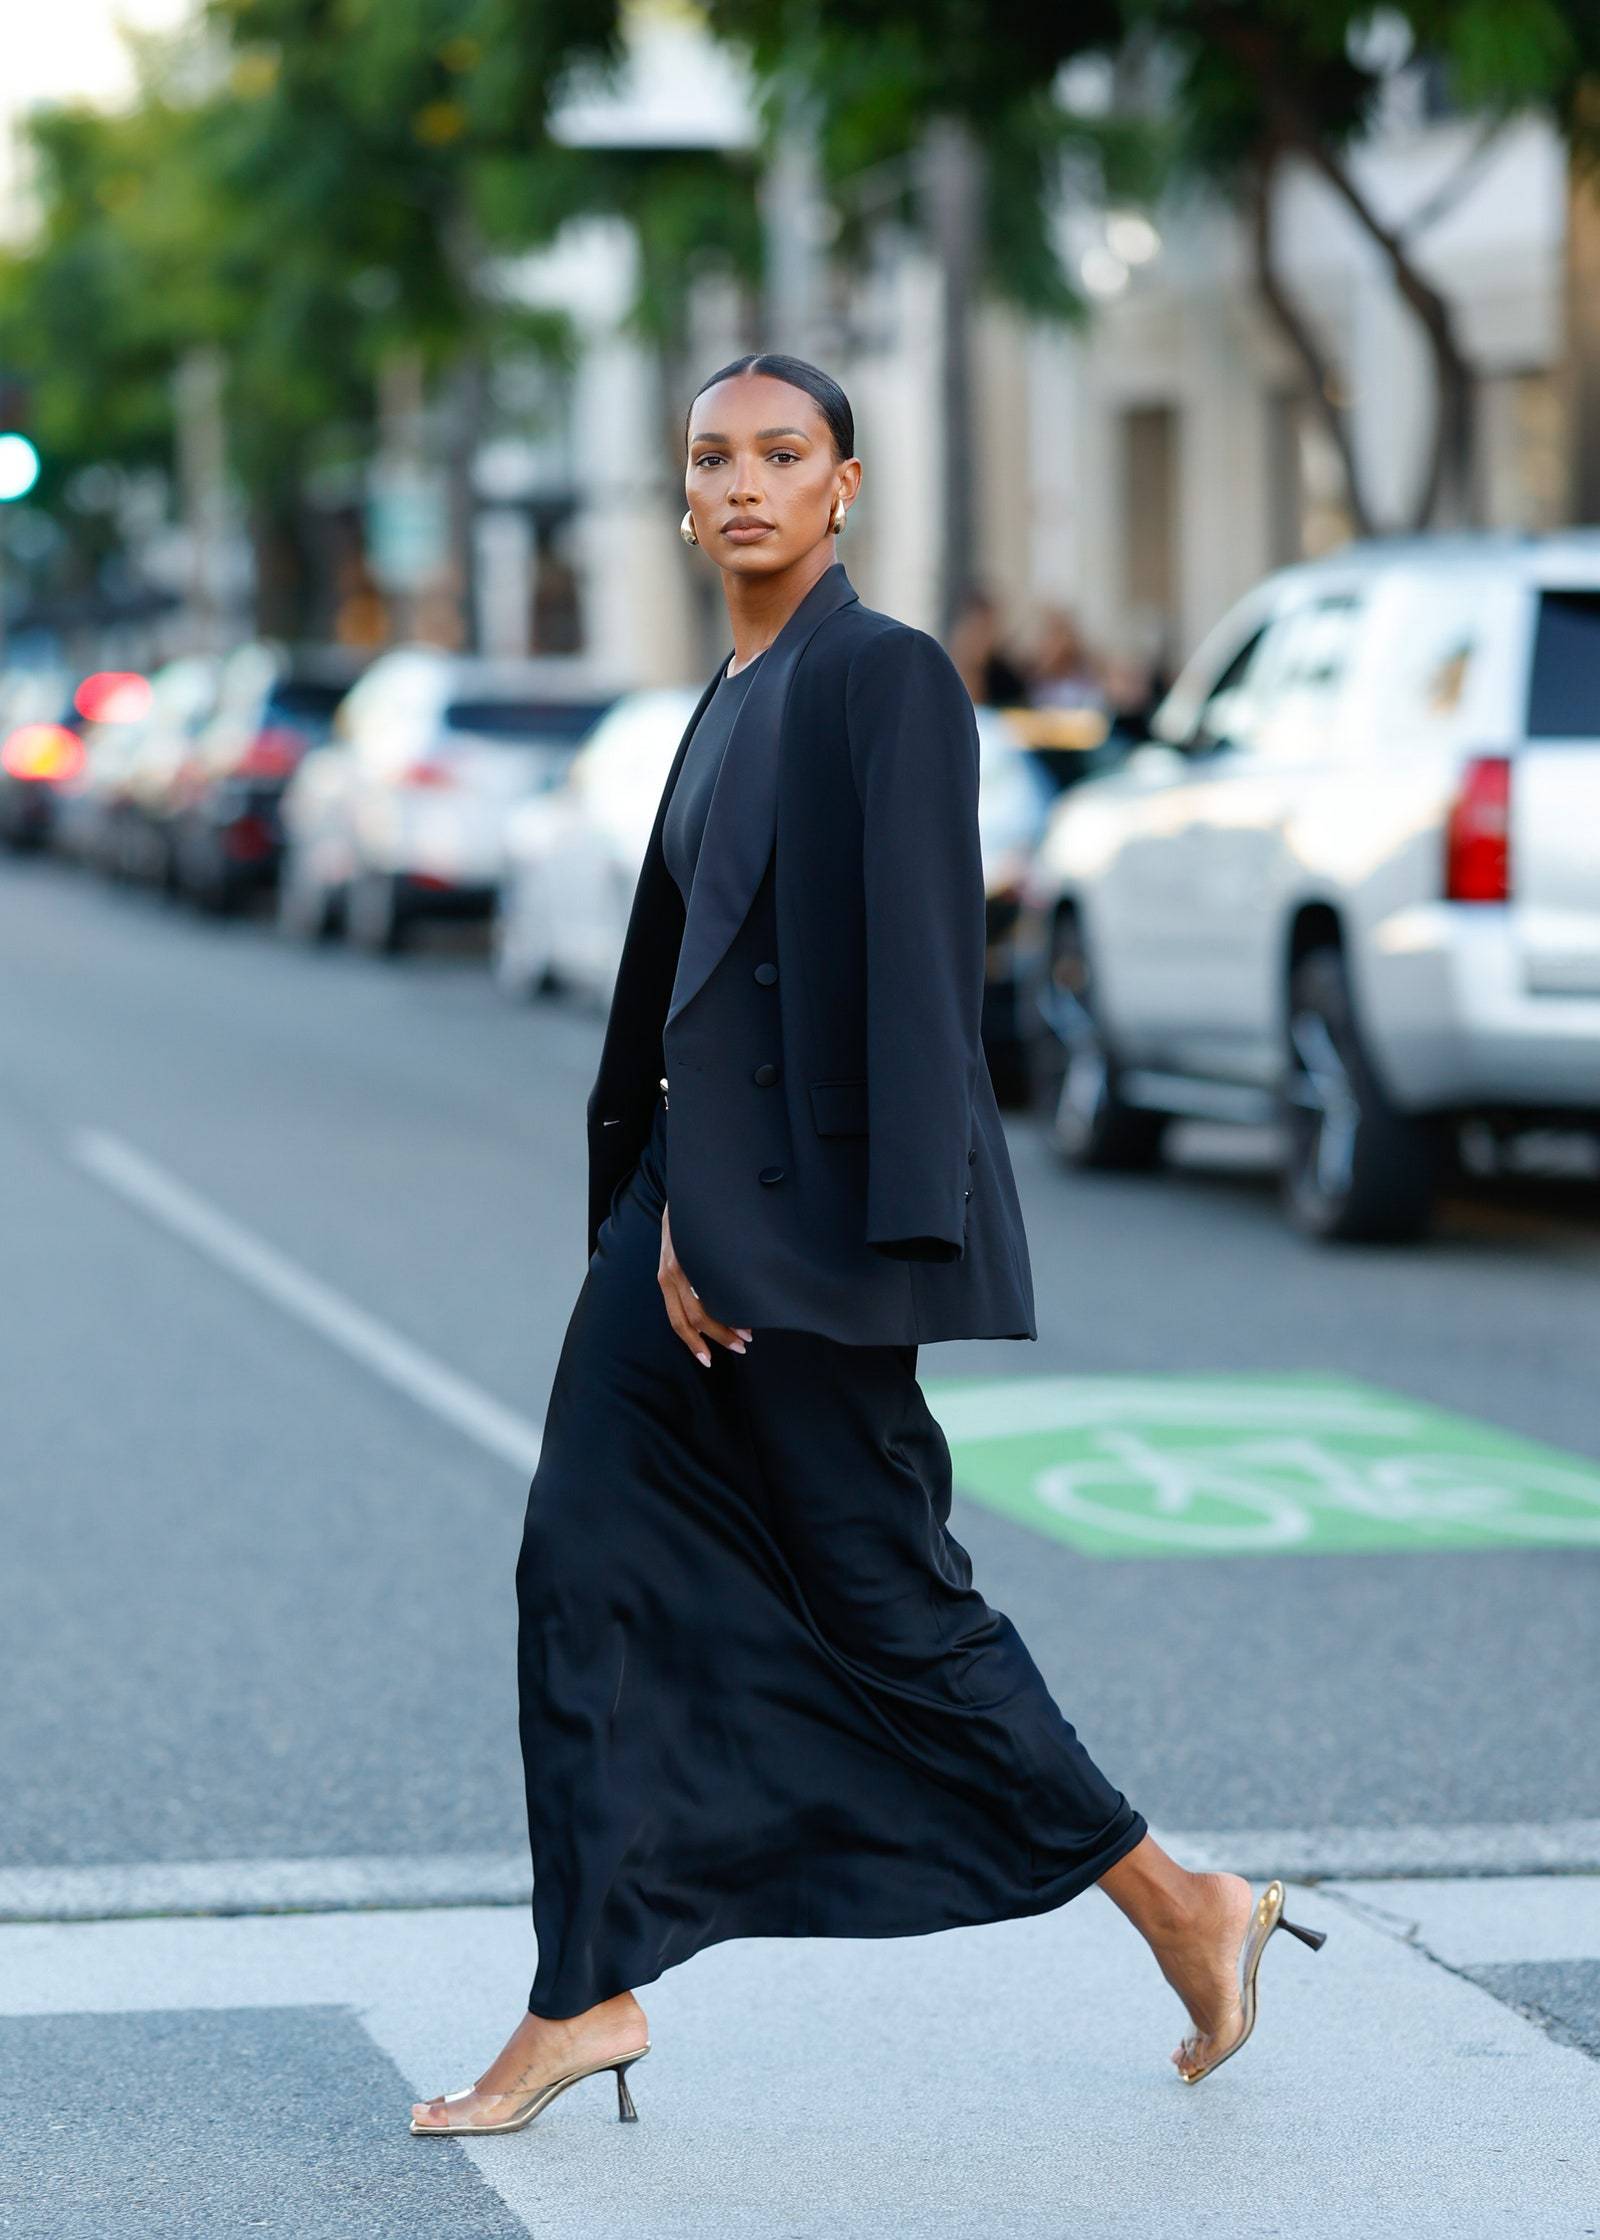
746,532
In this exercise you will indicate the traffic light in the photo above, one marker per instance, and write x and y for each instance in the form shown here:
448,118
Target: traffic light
19,465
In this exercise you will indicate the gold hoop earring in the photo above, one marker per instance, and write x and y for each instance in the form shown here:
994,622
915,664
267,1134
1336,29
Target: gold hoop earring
837,519
686,529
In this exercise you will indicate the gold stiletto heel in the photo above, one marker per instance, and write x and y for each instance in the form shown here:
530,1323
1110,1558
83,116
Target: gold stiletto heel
540,2098
1268,1916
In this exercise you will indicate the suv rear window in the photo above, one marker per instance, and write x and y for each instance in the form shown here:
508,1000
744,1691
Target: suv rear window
1564,694
298,699
523,719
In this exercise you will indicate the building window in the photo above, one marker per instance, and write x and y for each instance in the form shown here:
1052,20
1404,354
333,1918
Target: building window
1521,451
1150,518
1310,504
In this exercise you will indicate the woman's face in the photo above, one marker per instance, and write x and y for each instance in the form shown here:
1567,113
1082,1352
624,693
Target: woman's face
762,479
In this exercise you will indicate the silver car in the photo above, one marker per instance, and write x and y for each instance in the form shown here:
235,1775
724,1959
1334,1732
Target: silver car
1352,883
402,816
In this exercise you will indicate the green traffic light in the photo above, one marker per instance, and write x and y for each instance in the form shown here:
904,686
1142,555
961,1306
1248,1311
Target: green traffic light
19,466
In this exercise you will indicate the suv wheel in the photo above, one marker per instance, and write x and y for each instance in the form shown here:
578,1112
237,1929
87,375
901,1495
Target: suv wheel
1357,1167
304,909
1075,1074
374,917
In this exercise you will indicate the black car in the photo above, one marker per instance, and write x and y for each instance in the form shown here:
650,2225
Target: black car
224,833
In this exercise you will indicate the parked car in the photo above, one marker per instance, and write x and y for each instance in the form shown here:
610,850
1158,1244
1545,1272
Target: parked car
402,816
119,815
1027,758
221,808
573,852
1352,883
51,721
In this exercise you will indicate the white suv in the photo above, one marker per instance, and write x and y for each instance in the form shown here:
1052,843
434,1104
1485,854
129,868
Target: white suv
1353,882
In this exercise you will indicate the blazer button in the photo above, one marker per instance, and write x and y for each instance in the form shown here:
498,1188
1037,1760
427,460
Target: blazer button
766,974
971,1155
770,1174
966,1193
764,1076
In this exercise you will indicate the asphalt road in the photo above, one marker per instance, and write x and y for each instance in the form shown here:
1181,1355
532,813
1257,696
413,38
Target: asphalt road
258,1596
290,1239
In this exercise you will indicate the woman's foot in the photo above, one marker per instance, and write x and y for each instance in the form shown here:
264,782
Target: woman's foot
537,2052
1200,1959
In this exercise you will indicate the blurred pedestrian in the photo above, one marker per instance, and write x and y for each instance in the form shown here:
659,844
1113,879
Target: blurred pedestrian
1064,673
1133,690
991,677
760,1695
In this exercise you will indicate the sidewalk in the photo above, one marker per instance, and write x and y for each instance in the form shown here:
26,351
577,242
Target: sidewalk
253,2074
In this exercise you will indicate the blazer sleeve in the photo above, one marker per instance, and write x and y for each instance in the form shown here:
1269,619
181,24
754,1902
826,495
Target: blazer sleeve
914,755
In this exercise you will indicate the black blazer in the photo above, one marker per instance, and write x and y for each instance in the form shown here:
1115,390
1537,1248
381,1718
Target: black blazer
831,1121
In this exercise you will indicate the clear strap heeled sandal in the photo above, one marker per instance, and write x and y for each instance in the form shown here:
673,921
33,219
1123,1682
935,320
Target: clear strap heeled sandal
1268,1915
534,2103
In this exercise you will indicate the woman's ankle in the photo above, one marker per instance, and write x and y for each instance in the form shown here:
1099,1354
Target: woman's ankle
1165,1901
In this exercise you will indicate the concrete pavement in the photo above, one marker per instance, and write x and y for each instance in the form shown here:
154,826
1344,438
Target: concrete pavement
222,2076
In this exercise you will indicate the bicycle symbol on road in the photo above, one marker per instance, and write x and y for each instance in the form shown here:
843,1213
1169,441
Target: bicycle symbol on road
1267,1493
1230,1465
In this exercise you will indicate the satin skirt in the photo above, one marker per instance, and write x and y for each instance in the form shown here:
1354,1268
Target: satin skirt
759,1694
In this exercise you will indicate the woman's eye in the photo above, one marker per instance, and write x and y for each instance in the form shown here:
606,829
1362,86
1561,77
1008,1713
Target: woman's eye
714,458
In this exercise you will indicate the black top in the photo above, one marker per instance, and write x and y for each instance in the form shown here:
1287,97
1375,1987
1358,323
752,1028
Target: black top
684,825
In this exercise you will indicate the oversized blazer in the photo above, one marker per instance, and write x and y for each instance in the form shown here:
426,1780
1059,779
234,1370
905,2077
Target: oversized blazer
835,1156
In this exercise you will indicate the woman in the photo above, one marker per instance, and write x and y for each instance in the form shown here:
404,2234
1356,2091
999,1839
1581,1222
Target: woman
760,1695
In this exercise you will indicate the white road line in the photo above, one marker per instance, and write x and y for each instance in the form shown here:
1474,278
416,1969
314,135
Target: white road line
505,1434
211,1886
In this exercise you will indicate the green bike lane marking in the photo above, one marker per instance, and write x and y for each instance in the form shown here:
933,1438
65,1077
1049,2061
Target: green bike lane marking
1254,1465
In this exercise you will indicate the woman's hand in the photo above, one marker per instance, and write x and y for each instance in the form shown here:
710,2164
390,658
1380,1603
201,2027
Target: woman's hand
684,1311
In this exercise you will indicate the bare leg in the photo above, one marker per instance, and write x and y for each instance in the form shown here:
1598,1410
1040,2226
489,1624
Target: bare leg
538,2050
1195,1925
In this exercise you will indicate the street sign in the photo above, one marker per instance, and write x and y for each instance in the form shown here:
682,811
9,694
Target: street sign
408,526
1255,1465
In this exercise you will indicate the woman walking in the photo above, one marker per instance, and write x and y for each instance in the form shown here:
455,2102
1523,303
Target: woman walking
760,1694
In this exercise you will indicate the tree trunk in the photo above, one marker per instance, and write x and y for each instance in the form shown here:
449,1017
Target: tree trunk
951,191
282,565
1582,356
1318,368
1448,495
468,393
1449,483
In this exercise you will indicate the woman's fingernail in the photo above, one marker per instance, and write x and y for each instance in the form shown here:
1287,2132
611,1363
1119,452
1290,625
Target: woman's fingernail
705,1357
736,1349
747,1335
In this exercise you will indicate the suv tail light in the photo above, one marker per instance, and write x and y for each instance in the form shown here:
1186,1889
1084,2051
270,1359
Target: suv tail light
1477,857
274,752
428,774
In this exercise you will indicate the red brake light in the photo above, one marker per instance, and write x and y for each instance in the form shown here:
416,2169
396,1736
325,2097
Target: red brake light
274,752
428,774
1478,833
113,696
248,839
46,751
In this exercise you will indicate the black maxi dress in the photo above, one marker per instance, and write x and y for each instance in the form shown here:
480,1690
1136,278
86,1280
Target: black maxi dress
759,1694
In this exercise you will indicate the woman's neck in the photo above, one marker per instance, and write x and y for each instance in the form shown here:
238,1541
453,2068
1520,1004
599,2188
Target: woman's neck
758,607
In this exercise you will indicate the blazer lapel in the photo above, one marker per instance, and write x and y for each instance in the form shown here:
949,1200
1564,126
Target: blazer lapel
741,821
